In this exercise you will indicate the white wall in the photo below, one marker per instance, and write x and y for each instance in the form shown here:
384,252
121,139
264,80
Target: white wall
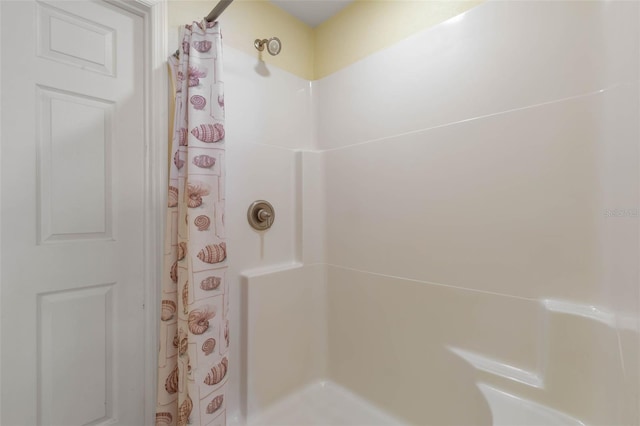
268,118
469,172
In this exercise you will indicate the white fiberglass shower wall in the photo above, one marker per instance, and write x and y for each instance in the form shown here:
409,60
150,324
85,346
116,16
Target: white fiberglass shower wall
456,221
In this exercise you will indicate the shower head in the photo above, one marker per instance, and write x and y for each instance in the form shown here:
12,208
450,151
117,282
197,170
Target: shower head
274,45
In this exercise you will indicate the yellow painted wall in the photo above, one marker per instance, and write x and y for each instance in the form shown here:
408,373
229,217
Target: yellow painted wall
360,29
366,26
246,20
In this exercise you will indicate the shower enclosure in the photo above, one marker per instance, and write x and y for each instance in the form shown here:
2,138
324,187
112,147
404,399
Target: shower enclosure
457,232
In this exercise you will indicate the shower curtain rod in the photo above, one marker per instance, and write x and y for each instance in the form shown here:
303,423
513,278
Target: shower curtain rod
213,15
217,11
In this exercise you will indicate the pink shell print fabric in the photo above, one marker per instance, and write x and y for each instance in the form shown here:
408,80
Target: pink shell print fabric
193,358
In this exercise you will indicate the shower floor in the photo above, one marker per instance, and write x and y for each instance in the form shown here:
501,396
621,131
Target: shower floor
323,403
328,404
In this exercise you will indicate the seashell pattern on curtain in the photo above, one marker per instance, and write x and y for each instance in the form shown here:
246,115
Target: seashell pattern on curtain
193,353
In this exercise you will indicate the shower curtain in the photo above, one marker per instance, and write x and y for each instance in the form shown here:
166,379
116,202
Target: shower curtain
194,329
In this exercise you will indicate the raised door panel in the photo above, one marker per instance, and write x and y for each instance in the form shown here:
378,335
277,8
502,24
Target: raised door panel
78,41
74,166
75,356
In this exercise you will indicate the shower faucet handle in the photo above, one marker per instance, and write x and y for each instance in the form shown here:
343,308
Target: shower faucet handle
261,215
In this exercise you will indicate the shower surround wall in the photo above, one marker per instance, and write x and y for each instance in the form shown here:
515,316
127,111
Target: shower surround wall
261,164
472,174
448,212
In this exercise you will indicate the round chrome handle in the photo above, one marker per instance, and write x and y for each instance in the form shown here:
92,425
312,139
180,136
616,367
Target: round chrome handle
261,215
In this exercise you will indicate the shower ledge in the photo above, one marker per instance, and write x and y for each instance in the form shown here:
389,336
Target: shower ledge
499,368
550,306
270,269
508,409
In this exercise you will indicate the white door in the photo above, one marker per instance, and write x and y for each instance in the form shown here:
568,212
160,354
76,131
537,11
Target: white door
72,171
